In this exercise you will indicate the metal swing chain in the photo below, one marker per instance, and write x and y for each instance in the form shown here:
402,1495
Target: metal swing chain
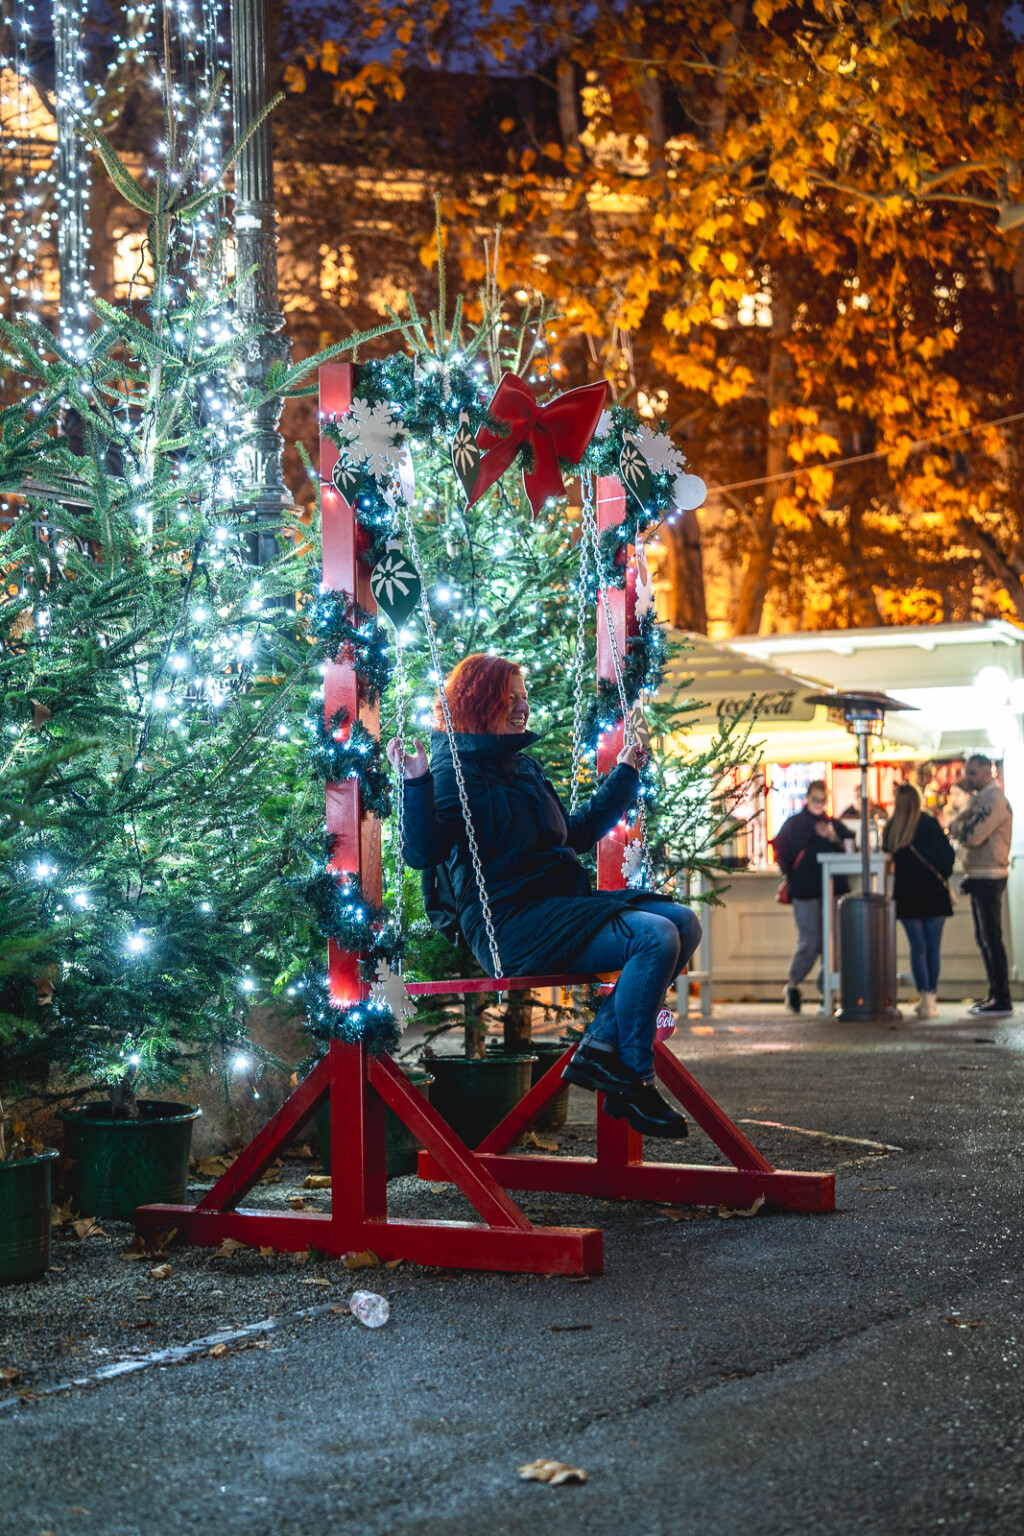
400,698
628,733
581,657
435,657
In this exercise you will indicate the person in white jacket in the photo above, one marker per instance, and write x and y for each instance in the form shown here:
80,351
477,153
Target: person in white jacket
984,830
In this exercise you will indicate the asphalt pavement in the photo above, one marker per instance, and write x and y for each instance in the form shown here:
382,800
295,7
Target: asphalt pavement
851,1373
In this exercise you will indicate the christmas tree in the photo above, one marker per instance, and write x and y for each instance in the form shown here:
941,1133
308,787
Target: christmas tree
504,576
156,813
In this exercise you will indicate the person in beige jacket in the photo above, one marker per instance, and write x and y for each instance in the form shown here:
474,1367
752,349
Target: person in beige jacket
984,830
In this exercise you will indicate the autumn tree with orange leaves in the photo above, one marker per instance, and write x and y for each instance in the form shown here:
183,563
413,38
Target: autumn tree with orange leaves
795,232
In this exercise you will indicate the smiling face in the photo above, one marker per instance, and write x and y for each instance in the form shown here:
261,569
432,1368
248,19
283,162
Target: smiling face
518,707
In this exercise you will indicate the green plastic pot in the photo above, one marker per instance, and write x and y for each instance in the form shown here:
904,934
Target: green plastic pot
401,1145
25,1217
546,1052
474,1096
120,1164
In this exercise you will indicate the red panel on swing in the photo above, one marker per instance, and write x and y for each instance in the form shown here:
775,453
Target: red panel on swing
493,984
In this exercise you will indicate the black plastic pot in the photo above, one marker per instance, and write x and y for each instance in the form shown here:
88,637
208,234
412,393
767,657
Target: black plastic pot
474,1096
402,1146
120,1164
25,1217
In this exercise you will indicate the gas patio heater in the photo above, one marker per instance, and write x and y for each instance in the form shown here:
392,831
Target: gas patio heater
867,918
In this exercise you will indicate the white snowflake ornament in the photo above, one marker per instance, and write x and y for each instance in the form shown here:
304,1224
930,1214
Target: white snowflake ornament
390,988
370,432
660,452
604,425
633,865
644,582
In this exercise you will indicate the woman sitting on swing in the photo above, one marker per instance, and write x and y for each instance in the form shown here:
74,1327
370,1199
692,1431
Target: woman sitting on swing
546,918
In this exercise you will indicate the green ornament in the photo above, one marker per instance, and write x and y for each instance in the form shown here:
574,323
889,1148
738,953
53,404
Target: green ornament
395,585
345,477
636,472
466,456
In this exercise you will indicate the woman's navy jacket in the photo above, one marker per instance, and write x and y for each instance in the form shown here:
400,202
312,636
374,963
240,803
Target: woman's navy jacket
540,896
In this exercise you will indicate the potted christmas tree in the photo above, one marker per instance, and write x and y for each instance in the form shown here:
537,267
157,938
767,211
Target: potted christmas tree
148,676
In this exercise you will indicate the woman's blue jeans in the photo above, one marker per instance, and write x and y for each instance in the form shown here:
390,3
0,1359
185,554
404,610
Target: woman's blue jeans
649,943
924,935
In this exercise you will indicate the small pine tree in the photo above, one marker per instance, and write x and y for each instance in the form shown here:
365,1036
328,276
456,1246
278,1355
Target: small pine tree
156,812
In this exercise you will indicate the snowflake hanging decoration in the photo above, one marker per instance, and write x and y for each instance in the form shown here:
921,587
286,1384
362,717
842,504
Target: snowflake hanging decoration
370,433
660,452
633,865
604,425
389,988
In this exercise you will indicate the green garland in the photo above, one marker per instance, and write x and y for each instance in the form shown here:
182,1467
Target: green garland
359,757
343,629
371,1022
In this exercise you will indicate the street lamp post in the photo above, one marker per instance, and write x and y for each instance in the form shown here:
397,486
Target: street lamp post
257,302
867,918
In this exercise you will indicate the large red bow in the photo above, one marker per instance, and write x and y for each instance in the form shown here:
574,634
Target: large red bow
559,430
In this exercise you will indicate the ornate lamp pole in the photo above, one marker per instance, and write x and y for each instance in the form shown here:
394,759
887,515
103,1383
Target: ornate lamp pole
257,302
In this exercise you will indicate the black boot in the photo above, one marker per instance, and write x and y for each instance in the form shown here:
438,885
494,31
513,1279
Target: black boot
600,1071
647,1112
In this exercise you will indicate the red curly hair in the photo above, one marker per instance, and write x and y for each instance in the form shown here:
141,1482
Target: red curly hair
479,694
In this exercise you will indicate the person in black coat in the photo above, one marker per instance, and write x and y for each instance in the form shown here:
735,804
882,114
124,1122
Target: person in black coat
545,917
922,858
800,840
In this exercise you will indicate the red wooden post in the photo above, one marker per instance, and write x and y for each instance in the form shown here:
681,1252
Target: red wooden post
611,509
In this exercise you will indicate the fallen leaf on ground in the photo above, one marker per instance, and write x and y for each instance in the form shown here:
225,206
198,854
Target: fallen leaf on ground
317,1181
437,1189
153,1246
162,1272
88,1226
533,1140
553,1472
212,1167
297,1203
316,1282
725,1211
875,1189
363,1260
966,1322
305,1151
393,1263
9,1374
344,1310
229,1246
268,1253
673,1213
60,1215
218,1351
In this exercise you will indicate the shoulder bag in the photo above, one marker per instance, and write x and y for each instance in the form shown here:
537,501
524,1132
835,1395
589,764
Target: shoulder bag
783,893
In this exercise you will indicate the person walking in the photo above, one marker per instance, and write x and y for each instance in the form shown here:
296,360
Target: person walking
922,858
984,831
801,839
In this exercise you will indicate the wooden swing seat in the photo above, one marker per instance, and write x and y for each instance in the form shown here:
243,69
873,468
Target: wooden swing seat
494,984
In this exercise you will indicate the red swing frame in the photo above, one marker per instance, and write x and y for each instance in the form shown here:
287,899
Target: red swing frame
358,1086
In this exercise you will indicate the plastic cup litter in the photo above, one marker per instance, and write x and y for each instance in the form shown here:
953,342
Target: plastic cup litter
372,1310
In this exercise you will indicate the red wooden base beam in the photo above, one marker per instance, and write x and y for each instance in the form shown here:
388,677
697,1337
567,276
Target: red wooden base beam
449,1244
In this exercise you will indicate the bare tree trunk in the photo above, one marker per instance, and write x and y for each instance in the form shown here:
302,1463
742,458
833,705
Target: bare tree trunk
1008,572
686,573
726,56
568,109
757,566
517,1021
